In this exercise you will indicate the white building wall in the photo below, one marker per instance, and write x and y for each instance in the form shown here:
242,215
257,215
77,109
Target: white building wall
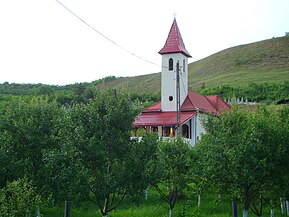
197,130
200,129
168,81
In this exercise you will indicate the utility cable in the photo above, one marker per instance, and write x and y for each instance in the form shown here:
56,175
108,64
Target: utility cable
104,36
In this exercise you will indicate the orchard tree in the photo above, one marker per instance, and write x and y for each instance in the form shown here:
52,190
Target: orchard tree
67,178
139,157
283,152
241,157
170,170
100,133
26,131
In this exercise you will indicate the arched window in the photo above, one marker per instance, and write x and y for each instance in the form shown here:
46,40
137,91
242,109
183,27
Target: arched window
184,65
171,64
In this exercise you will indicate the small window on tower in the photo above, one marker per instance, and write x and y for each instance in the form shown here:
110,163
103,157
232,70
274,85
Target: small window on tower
184,65
171,64
171,98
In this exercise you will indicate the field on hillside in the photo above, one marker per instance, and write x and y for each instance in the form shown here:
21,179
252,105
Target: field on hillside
264,61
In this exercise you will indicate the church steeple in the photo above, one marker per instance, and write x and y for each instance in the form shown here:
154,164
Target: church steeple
173,52
174,42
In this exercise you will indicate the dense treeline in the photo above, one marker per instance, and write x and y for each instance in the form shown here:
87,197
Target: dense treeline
68,94
75,93
276,93
269,93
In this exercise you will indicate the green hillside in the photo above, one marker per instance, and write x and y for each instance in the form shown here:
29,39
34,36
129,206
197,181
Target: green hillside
264,61
257,71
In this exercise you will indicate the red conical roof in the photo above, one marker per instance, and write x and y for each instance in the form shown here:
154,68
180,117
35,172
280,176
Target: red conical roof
174,43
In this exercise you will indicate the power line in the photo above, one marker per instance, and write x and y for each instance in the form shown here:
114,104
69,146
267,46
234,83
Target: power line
104,36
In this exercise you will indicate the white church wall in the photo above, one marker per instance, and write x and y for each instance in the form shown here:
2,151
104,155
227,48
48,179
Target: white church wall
168,81
200,129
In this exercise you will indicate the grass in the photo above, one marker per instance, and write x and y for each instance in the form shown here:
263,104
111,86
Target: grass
264,61
156,207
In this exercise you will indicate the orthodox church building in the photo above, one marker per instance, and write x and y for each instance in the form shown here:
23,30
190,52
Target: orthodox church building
180,109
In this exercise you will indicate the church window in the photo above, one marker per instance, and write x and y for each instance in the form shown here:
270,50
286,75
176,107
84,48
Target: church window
171,64
184,65
171,98
166,131
185,131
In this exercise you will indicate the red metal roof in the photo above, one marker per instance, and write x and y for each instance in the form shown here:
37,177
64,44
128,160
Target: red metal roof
219,104
211,104
196,101
161,118
153,116
154,107
174,42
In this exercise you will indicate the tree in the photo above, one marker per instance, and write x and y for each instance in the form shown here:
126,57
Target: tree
26,131
67,178
241,157
99,131
140,155
170,170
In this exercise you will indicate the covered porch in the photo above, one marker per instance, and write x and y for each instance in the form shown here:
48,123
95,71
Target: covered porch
165,124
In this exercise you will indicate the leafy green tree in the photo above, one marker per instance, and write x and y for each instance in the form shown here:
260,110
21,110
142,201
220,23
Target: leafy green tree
170,170
283,153
67,178
26,131
100,133
139,156
241,157
199,174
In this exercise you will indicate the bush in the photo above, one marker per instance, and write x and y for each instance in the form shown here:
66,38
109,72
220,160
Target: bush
19,198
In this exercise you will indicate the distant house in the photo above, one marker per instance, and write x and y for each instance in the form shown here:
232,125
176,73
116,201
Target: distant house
180,108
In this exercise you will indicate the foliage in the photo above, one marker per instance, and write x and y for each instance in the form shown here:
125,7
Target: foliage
19,199
68,94
242,157
63,95
26,130
99,132
84,147
66,176
263,92
170,169
140,154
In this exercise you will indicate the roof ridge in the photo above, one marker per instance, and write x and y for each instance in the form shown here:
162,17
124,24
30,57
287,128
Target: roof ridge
220,98
211,103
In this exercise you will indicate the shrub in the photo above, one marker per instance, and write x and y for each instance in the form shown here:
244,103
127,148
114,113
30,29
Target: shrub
19,198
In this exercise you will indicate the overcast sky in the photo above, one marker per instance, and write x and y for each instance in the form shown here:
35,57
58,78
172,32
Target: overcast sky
42,42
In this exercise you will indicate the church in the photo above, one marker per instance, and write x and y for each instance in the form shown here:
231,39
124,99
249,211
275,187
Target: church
180,109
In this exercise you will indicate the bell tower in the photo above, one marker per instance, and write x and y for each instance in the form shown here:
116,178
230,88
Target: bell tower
173,52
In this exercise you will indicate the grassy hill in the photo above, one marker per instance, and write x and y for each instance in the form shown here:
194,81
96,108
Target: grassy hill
264,61
258,71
